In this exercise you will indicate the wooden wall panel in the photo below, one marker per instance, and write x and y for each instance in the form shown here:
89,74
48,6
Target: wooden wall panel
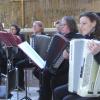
14,11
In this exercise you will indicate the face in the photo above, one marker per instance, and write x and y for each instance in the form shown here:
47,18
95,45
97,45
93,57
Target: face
36,28
86,25
13,30
58,27
65,28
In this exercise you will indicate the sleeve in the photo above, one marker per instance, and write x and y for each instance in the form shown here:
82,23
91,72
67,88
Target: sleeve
97,57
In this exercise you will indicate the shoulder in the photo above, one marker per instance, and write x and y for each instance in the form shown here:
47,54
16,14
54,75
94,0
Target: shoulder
78,35
22,36
42,36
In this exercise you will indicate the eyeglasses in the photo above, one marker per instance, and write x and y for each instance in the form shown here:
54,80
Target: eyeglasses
63,25
12,29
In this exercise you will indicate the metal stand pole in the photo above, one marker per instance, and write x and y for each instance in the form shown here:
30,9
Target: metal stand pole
26,97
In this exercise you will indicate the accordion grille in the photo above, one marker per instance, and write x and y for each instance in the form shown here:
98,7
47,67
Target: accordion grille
87,69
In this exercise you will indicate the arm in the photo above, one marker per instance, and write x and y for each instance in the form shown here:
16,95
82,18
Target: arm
65,54
95,50
97,57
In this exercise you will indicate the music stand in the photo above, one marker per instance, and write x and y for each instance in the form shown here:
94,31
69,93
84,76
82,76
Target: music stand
12,72
9,40
26,97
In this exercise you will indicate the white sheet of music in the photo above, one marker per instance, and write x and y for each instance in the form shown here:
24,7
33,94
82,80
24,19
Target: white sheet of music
32,54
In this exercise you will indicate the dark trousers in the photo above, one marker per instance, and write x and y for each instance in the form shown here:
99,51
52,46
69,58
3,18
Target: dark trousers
21,77
76,97
51,81
72,97
37,72
60,92
45,89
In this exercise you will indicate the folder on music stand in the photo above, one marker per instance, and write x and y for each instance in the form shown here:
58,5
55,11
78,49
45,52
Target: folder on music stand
9,39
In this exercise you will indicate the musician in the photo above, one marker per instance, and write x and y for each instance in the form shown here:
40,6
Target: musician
3,58
38,28
90,28
8,43
57,25
15,30
39,41
68,30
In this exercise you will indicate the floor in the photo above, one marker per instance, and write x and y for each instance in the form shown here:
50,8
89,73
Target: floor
32,89
32,93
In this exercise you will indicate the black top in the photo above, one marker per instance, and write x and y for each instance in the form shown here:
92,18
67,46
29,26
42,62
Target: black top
64,67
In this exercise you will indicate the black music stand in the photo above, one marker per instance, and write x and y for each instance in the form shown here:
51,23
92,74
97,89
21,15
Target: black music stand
9,40
12,73
26,97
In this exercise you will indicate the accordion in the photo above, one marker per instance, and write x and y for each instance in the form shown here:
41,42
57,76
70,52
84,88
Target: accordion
84,71
55,50
40,44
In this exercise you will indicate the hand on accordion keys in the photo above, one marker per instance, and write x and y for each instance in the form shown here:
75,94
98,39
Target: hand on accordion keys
65,54
94,47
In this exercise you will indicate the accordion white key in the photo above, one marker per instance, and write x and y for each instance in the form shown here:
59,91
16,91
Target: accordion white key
84,71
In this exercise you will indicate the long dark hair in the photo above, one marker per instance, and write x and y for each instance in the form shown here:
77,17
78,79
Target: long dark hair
17,28
93,17
71,23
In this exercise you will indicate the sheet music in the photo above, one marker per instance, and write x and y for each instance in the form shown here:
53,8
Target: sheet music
32,54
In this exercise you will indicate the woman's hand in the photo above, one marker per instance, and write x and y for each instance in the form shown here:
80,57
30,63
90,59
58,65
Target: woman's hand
65,54
94,47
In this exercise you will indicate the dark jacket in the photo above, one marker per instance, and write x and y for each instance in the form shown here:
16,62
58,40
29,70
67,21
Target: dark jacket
61,76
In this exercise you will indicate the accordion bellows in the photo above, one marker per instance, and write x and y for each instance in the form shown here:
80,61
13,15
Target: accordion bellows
55,51
84,71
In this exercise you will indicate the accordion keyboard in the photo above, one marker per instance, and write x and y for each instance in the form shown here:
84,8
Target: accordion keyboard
86,70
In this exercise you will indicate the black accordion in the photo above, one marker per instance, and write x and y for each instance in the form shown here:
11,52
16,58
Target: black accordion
55,50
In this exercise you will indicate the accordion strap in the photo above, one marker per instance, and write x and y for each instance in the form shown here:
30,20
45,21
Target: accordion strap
66,40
